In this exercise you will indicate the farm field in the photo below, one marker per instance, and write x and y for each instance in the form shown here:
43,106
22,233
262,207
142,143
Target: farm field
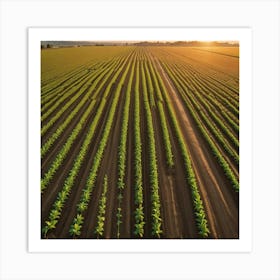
140,142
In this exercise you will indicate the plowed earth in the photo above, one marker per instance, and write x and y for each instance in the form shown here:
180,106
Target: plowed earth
220,201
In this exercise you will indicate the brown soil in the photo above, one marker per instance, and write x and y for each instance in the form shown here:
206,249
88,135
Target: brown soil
178,221
220,202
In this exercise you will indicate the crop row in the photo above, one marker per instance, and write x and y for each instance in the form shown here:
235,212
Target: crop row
217,85
163,122
201,219
91,180
55,92
60,65
59,91
99,229
47,177
228,102
79,90
76,91
150,85
70,180
57,83
207,75
138,177
204,79
138,77
86,97
61,155
185,92
154,181
223,163
199,89
197,83
122,151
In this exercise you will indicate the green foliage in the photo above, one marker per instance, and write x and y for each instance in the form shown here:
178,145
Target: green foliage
150,87
189,99
49,225
82,206
93,90
45,148
155,80
47,177
99,230
166,137
70,180
223,163
163,122
122,151
60,101
201,220
155,199
60,64
139,214
214,102
60,94
197,89
75,229
53,91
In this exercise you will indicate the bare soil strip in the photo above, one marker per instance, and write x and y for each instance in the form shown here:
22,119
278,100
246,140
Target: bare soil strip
221,207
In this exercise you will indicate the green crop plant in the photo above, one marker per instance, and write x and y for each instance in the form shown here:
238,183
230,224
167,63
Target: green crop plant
86,192
196,92
49,225
80,89
73,97
47,177
166,137
209,84
163,122
218,135
61,63
75,229
209,96
79,78
122,151
139,214
156,215
70,180
61,91
45,148
201,220
153,76
74,112
67,77
223,163
150,85
99,229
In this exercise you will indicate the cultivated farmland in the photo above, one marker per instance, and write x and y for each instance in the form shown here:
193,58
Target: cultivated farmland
140,142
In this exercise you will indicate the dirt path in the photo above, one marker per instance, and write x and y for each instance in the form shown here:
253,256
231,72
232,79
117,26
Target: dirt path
171,221
220,205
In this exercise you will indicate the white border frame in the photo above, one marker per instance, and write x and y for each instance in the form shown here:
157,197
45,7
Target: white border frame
263,260
243,244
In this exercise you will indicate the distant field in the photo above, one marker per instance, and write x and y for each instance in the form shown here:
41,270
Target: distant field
59,61
229,51
140,142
